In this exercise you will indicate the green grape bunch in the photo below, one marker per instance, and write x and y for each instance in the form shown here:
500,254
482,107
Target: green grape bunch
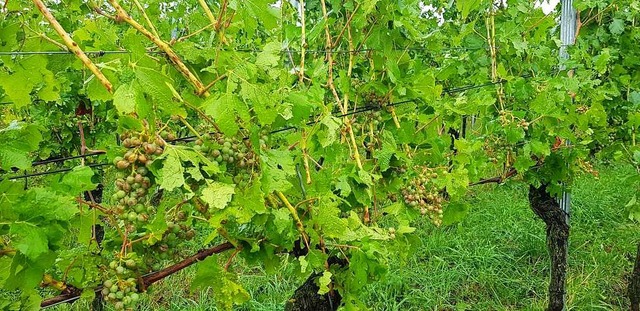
236,154
120,286
134,180
423,194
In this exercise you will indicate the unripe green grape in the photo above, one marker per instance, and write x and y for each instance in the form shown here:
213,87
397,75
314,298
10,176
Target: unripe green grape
190,234
142,170
143,217
132,216
139,208
130,263
120,270
120,194
107,283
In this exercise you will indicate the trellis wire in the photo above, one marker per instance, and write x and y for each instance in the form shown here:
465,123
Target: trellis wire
55,160
62,170
284,129
283,51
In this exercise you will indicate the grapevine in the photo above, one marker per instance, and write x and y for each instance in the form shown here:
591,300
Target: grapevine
299,149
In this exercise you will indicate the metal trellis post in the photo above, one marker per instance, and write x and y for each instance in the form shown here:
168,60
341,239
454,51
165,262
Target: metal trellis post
568,28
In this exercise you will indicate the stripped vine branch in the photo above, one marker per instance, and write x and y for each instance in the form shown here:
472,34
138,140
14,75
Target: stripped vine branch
72,45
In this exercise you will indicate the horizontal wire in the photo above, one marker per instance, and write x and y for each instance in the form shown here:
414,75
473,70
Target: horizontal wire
283,51
62,170
54,160
284,129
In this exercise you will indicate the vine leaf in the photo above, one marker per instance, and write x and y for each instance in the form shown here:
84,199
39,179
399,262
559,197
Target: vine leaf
331,225
223,109
170,170
466,6
329,136
633,208
455,212
76,181
270,56
171,176
324,282
18,141
388,150
30,240
218,194
282,219
616,27
226,292
277,167
156,84
127,99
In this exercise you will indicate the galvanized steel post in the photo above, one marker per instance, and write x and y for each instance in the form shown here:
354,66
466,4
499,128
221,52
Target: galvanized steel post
568,28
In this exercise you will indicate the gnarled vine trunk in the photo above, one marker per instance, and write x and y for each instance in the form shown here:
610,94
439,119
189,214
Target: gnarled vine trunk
306,297
634,284
547,208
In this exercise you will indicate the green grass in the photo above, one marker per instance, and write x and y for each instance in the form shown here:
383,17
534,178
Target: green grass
496,259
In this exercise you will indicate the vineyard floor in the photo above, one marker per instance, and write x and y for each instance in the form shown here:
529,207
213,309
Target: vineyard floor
494,260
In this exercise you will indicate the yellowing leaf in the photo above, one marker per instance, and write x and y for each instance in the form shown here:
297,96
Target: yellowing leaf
324,282
218,195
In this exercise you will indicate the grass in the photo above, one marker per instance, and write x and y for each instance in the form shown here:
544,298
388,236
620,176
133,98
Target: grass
496,259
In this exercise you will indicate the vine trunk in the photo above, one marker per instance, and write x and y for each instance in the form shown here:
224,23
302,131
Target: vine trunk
547,208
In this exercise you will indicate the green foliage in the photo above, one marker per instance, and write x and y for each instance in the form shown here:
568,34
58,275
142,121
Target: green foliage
324,184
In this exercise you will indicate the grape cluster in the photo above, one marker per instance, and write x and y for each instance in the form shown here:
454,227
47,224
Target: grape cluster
374,100
371,117
229,150
168,248
120,288
133,182
422,193
236,154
